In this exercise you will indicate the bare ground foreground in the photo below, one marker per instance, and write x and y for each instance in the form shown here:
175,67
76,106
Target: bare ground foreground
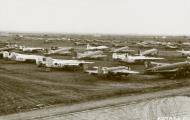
146,106
25,87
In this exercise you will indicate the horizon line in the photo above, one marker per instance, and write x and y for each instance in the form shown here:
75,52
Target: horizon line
92,33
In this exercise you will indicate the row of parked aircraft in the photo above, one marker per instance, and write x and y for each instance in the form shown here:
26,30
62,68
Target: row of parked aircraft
95,52
167,45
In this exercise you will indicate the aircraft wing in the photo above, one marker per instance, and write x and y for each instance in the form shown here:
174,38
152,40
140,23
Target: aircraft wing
102,47
32,49
172,47
7,48
70,62
148,58
60,51
98,56
78,63
63,49
153,58
37,48
129,50
166,71
92,71
180,51
159,64
125,71
184,52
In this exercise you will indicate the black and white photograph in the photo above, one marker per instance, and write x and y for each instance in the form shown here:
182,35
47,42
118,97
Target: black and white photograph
94,59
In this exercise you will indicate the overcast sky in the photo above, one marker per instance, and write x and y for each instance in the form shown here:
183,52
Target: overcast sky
96,16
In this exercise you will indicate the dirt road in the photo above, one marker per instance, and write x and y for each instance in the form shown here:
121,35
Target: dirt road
58,112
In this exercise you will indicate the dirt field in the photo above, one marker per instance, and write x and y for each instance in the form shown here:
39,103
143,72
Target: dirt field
25,87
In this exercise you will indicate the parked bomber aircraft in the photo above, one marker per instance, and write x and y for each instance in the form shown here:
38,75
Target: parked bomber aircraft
8,48
178,69
184,53
91,55
22,57
60,51
122,50
30,49
18,37
50,63
79,43
113,71
168,46
96,47
150,52
134,59
186,43
143,44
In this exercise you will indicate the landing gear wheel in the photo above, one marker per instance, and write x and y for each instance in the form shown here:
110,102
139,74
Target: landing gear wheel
47,69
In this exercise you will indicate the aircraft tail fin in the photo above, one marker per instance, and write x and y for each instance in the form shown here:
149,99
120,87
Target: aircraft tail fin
88,46
114,55
12,56
147,64
5,54
46,51
100,71
151,64
139,52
